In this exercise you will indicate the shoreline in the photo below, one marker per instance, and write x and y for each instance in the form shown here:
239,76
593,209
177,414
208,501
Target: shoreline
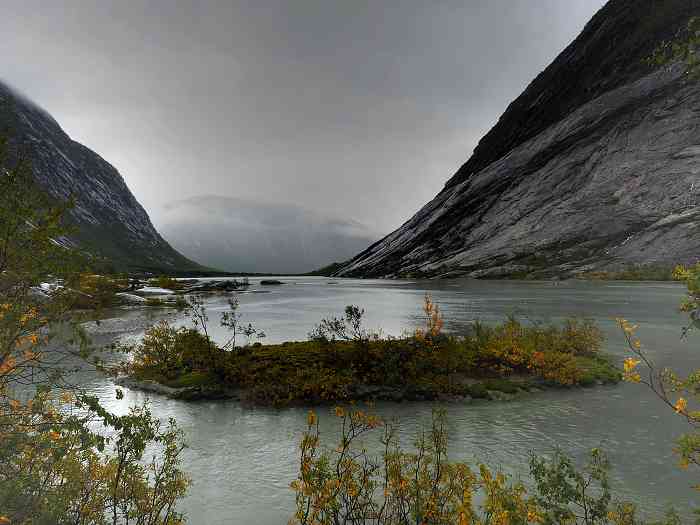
494,389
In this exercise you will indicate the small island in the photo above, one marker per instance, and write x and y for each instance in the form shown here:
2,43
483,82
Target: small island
270,282
343,362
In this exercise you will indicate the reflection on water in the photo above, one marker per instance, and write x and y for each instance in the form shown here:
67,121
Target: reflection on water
242,459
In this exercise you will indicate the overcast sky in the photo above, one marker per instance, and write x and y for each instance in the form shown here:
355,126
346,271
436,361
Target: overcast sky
357,108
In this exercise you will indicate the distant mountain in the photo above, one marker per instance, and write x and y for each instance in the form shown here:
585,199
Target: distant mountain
247,236
595,166
109,220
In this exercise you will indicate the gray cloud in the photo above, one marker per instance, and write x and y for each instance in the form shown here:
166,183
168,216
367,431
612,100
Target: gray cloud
252,236
357,108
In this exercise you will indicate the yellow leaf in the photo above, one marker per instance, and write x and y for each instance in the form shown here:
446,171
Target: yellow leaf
630,364
66,397
311,418
681,405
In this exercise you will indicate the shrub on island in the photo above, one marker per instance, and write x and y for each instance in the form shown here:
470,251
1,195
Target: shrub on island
344,361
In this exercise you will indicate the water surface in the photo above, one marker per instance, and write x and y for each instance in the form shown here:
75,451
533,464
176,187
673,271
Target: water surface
242,459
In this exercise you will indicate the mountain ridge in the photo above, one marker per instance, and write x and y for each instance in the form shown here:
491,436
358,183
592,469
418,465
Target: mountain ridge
527,115
603,186
109,221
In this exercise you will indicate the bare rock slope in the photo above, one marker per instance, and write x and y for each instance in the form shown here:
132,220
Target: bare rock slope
109,220
595,166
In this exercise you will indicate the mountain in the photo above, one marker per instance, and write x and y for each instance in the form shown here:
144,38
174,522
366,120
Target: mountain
108,220
248,236
595,166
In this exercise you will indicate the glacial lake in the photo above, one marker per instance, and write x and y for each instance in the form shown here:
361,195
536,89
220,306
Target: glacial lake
242,459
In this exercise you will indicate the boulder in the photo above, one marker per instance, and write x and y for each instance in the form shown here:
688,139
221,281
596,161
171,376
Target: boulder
217,286
130,298
152,290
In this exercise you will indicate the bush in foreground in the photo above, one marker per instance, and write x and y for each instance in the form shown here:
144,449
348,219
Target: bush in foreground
64,459
678,391
346,484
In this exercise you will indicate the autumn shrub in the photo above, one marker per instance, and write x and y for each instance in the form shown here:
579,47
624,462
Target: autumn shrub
163,281
505,349
558,368
167,351
579,337
343,360
157,350
98,291
346,484
65,459
550,352
434,323
61,473
197,352
315,383
324,371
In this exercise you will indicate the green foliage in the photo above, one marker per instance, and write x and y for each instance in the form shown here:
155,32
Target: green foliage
99,291
166,282
31,228
56,473
54,467
169,352
557,354
691,305
500,385
683,48
597,368
155,302
345,484
567,495
635,272
196,378
179,302
344,361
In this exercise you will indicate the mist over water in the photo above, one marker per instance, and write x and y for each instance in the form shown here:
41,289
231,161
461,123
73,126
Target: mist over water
240,235
242,459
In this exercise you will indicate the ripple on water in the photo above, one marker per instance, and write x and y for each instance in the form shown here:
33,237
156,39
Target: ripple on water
242,460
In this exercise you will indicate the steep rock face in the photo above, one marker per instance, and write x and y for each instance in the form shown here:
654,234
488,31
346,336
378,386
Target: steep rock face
110,222
595,166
